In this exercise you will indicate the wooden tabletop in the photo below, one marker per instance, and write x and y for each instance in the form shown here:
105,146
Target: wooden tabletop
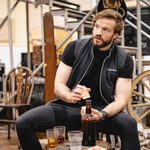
66,146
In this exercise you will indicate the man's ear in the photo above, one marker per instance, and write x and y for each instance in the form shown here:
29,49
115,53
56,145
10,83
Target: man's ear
116,35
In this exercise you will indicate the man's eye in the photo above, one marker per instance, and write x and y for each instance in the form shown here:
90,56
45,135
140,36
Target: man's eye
96,26
106,29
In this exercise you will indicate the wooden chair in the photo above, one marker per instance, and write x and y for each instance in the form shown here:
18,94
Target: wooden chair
18,87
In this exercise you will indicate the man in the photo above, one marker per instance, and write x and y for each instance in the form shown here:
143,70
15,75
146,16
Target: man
95,68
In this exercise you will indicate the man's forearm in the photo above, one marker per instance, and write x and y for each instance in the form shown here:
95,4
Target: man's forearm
71,96
63,92
115,107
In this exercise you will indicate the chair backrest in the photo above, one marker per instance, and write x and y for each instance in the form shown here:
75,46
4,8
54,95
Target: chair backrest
18,86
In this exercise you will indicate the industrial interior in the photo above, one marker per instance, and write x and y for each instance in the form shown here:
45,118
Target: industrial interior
33,35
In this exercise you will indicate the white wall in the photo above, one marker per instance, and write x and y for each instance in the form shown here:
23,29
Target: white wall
19,34
18,30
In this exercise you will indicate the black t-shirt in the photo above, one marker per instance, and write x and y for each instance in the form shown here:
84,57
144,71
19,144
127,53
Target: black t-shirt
91,78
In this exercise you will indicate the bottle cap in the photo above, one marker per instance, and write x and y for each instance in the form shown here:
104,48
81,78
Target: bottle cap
88,102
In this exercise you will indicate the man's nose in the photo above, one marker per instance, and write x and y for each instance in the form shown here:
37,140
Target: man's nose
99,31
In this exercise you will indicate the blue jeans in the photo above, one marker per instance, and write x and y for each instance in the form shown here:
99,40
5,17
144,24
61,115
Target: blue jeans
44,117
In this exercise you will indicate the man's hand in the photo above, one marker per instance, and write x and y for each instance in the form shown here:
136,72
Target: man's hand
80,92
95,112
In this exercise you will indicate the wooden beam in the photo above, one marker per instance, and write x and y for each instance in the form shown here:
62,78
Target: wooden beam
50,57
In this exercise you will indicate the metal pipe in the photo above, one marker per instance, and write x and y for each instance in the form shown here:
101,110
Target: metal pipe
135,27
43,41
5,19
28,41
139,49
76,28
122,38
38,68
143,23
139,45
10,34
50,5
146,2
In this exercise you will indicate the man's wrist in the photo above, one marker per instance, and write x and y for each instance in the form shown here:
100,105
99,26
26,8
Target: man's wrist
104,114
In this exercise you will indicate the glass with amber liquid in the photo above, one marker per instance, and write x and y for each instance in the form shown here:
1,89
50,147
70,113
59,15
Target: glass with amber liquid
88,126
51,137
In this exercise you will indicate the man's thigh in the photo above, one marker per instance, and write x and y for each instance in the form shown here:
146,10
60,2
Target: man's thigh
114,124
44,117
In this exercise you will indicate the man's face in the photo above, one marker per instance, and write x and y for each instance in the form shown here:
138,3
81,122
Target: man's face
103,33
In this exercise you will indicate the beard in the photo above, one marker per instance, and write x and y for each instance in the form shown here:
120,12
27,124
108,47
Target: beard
103,43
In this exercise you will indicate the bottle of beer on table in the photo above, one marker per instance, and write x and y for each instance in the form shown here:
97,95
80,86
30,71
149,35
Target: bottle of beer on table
88,126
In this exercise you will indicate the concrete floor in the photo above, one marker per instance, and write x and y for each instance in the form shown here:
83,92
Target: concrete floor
6,144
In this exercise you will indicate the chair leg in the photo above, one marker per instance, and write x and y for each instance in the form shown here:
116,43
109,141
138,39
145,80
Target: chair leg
9,131
113,142
112,139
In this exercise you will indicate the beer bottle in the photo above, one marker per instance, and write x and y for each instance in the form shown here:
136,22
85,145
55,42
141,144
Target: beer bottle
88,126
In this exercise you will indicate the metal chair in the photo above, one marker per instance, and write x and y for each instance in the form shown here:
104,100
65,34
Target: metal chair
18,87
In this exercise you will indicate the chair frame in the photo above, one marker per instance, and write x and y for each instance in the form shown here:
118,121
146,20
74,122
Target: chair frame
12,97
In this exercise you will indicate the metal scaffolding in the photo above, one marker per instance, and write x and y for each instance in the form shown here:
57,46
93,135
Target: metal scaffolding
74,8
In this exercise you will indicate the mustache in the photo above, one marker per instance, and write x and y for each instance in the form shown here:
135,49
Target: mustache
98,37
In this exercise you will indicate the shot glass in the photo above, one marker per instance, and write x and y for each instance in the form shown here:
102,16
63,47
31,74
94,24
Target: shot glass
51,137
75,139
60,133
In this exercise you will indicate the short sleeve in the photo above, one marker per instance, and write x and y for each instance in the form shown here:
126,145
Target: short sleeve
68,54
127,70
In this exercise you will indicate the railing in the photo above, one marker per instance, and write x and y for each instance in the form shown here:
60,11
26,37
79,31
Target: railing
147,2
135,27
56,3
5,19
68,36
77,27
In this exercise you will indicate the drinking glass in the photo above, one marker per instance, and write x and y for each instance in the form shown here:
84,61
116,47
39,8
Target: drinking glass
51,137
60,133
75,139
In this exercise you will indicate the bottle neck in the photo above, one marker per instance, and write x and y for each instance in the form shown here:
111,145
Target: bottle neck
88,110
88,106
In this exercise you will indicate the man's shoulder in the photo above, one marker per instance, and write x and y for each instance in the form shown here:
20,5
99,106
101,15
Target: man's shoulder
120,51
122,55
124,52
80,46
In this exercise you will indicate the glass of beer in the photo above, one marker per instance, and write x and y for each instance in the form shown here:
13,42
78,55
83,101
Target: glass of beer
51,137
60,133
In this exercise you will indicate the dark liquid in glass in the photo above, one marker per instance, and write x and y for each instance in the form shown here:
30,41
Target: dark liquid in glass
60,139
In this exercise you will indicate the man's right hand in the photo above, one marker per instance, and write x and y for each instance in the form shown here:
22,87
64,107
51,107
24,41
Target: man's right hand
80,92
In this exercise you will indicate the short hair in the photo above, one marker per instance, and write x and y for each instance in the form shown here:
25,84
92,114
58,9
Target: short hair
111,14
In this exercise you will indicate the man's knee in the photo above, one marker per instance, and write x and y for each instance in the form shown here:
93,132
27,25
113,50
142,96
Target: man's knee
129,126
19,123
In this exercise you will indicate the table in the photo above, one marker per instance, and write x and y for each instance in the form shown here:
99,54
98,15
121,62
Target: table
66,146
